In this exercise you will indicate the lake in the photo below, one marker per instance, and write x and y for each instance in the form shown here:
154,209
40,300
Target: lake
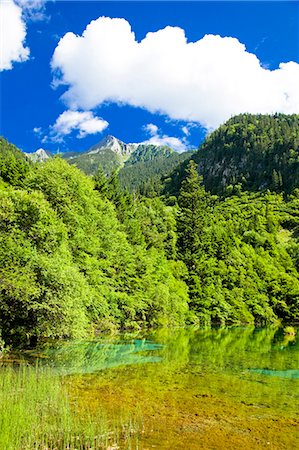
220,388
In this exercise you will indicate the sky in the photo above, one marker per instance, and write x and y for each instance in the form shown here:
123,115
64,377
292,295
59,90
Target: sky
159,72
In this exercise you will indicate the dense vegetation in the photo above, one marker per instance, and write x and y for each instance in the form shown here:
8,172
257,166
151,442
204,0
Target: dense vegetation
79,254
67,264
241,253
90,163
140,168
252,152
145,175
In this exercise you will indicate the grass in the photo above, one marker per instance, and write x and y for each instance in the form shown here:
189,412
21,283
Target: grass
36,413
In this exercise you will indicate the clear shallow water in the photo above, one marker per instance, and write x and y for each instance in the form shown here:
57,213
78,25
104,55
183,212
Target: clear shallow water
226,388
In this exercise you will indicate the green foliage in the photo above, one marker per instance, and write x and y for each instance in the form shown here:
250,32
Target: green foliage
239,268
146,175
249,152
257,151
42,293
68,265
106,159
78,255
14,165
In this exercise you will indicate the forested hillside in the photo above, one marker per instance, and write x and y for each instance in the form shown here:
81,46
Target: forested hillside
249,152
241,253
145,176
14,164
69,266
80,254
140,166
89,163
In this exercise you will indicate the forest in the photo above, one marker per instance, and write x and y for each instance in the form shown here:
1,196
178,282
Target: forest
81,254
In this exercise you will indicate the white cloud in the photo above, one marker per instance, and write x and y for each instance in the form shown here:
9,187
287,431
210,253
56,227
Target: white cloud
33,10
186,131
157,138
12,35
173,142
205,81
31,4
151,128
37,131
82,121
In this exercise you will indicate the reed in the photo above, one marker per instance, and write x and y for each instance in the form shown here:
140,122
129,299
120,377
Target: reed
36,413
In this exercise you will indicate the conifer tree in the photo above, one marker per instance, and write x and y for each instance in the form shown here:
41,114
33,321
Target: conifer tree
192,203
191,220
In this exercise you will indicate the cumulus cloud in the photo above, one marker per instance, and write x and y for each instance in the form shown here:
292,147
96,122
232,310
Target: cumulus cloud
158,138
205,81
31,4
186,131
151,129
33,10
82,121
173,142
12,35
38,131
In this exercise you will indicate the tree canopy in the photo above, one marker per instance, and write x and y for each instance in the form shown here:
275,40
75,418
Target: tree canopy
81,254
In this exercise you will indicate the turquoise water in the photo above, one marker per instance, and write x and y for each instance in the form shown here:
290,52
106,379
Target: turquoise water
265,351
221,388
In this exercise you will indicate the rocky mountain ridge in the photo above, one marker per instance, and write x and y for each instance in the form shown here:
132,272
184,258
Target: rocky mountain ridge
110,154
115,145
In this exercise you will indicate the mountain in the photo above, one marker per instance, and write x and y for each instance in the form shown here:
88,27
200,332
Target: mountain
145,175
149,152
140,166
39,155
249,152
14,164
255,151
115,145
109,154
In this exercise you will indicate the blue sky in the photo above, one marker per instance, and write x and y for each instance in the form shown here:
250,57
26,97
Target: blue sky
157,88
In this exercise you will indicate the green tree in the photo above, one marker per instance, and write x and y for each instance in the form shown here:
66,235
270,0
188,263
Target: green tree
192,216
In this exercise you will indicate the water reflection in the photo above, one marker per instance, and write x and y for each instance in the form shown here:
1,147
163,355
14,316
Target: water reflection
193,388
278,373
226,350
87,357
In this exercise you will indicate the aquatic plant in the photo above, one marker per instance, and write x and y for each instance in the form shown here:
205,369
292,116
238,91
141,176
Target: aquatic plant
36,412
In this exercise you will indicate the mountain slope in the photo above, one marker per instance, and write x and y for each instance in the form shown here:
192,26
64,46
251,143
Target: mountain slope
146,175
140,166
251,152
109,154
90,162
40,155
257,151
14,164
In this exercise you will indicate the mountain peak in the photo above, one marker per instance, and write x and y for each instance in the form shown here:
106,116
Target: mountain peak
112,143
39,155
110,140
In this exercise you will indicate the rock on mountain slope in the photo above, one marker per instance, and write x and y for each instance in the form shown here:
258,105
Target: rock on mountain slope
40,155
115,145
139,165
111,154
249,152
